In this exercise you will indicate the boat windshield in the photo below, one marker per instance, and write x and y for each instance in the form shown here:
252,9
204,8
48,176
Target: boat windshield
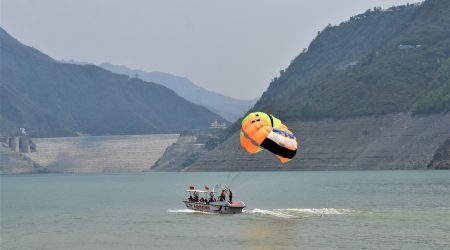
197,195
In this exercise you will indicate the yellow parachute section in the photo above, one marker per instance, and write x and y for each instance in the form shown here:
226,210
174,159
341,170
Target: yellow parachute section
260,130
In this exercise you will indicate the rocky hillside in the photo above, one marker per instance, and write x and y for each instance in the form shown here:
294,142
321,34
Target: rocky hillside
388,142
50,98
227,107
370,93
441,159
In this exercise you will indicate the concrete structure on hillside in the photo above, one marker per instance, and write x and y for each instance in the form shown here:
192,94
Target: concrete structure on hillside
216,124
12,159
15,163
20,142
410,46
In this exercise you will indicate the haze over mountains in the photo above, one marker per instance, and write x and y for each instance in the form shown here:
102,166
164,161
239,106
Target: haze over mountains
228,107
50,98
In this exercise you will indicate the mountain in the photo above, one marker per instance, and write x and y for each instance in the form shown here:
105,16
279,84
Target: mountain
370,93
227,107
379,62
50,98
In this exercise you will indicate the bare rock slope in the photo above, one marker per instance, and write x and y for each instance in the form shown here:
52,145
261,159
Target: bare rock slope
180,154
441,159
396,141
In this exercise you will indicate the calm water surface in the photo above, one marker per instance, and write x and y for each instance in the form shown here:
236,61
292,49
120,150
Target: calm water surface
285,210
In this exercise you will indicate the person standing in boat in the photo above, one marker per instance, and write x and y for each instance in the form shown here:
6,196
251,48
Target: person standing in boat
230,196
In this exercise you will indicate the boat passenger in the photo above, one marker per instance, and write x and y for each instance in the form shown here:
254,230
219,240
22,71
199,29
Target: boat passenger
195,196
190,198
211,197
231,196
222,195
202,200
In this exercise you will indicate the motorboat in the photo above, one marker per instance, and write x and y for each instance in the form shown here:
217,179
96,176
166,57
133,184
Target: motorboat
218,200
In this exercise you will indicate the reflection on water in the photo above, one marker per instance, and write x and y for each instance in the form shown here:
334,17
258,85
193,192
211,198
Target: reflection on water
265,234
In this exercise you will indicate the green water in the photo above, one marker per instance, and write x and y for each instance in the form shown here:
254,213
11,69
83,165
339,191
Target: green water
285,210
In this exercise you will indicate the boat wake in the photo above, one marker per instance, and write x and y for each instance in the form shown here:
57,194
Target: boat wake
185,211
287,213
300,212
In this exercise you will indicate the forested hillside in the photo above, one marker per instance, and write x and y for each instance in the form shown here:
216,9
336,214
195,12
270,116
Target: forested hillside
370,93
379,62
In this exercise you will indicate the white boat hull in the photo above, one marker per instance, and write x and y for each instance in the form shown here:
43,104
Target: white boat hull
216,207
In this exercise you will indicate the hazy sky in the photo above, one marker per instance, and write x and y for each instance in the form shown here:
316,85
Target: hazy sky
234,47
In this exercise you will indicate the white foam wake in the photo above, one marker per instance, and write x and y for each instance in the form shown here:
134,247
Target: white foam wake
268,212
299,212
187,211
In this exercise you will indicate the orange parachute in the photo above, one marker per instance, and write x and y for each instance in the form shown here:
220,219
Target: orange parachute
261,130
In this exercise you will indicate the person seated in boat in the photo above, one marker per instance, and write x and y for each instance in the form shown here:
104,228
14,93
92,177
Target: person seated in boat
222,195
211,197
195,196
190,197
202,200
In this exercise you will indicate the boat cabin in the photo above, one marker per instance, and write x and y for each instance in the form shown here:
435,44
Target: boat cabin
217,200
206,195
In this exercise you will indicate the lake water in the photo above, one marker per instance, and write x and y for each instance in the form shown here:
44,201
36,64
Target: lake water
285,210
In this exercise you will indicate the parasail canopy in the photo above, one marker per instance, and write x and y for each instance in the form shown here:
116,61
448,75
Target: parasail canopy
260,130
